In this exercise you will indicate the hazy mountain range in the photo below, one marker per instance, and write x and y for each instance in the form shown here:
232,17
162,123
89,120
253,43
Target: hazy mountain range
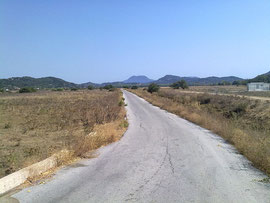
52,82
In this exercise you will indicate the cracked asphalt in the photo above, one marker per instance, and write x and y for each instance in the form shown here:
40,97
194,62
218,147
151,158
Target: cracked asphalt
161,158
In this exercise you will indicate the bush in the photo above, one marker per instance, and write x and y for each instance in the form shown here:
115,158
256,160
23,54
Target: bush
121,103
90,87
1,90
153,88
134,87
181,83
27,90
109,87
58,89
240,108
7,125
126,86
237,83
74,89
205,101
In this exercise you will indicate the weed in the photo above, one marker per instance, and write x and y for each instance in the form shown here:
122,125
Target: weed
124,124
7,126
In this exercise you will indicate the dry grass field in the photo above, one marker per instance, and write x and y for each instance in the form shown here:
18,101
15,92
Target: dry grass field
34,126
229,89
240,90
241,121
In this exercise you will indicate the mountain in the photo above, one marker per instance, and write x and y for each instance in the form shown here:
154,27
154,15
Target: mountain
52,82
261,78
46,82
85,85
169,79
138,79
215,80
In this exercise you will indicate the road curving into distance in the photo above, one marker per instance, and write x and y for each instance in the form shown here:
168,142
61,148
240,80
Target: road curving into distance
161,158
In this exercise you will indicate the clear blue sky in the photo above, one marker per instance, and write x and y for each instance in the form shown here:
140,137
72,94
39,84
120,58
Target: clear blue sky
98,41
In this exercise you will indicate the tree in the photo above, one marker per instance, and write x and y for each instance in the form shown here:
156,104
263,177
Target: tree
90,87
107,87
74,89
27,90
237,83
181,83
134,87
153,88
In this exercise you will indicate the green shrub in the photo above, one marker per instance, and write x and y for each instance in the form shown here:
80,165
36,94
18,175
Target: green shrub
1,90
240,108
237,83
126,86
27,90
124,124
58,89
134,87
90,87
205,101
7,126
109,87
153,88
121,103
74,89
181,83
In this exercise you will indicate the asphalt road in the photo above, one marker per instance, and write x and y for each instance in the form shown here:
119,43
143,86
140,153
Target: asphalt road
161,158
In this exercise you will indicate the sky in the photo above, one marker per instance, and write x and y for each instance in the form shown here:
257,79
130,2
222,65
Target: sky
104,40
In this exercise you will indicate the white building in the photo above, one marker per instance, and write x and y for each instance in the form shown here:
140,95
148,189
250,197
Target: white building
258,86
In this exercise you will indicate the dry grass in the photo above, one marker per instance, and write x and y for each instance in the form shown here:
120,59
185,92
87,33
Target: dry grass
35,126
243,122
230,89
227,89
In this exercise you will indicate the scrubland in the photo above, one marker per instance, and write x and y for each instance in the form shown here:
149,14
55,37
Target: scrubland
241,121
240,90
34,126
222,89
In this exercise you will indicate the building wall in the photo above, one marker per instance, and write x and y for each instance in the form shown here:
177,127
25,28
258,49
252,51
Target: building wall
258,87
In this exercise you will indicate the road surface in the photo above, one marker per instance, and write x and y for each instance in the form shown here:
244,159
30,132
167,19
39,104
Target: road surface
161,158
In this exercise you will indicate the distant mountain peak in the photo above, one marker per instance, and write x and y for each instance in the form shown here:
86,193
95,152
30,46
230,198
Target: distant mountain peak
138,79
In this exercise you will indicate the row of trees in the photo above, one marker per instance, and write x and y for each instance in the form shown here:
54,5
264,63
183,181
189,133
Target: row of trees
151,87
180,84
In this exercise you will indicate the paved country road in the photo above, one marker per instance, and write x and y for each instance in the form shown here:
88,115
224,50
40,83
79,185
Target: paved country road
161,158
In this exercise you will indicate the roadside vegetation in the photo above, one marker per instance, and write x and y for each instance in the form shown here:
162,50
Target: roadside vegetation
153,88
35,126
241,121
240,90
